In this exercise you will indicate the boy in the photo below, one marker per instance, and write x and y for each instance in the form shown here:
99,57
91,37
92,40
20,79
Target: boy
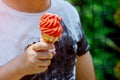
19,28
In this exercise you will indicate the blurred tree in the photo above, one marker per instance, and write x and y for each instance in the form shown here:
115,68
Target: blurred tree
100,20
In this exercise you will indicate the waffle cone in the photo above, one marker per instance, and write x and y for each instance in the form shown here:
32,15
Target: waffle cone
49,39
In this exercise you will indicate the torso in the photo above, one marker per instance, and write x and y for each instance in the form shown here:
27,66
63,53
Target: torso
21,30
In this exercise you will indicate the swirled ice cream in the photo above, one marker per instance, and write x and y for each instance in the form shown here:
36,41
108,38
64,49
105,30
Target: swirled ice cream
50,27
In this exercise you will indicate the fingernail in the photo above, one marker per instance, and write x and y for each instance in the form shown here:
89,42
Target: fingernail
52,50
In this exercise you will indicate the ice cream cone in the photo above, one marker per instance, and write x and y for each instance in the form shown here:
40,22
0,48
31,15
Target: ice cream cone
49,39
50,27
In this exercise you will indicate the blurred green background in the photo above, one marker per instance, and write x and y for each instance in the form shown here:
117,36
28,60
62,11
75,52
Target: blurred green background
101,23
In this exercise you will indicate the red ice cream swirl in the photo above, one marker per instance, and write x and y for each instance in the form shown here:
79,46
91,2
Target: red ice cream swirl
50,24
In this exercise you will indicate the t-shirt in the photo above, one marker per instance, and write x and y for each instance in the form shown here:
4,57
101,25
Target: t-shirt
19,29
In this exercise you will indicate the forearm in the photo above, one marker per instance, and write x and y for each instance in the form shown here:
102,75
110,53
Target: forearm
11,71
84,68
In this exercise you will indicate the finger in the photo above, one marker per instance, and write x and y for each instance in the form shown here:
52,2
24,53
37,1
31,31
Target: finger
54,53
52,50
43,63
42,46
44,55
41,69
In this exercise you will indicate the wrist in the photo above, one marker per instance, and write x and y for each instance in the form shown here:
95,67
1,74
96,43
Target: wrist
11,71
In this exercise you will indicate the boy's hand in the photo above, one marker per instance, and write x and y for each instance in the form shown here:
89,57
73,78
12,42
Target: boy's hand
36,58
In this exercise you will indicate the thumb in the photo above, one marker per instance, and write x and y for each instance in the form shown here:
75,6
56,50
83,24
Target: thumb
42,46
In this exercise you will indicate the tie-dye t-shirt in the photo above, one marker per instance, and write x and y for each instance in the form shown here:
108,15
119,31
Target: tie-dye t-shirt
22,29
63,63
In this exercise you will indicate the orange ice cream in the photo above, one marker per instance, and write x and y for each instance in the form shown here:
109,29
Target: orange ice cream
50,27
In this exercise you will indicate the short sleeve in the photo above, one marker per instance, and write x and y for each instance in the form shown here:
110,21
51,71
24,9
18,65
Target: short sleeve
82,44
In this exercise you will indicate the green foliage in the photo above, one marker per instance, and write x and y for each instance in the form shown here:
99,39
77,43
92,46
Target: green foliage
98,21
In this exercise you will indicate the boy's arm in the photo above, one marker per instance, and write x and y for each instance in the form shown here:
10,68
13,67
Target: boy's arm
84,67
10,71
